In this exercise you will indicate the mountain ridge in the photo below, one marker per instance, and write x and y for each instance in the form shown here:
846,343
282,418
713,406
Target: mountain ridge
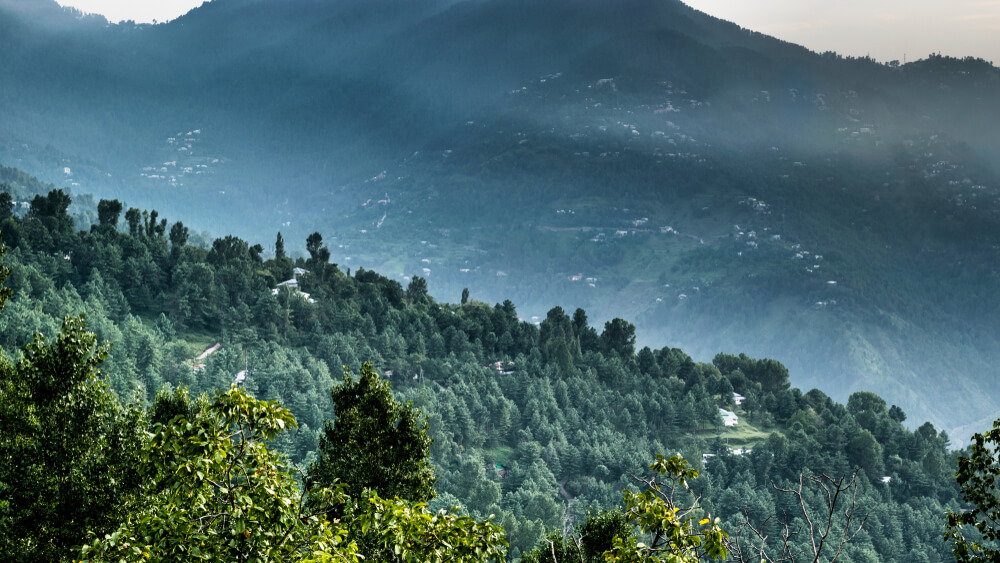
448,136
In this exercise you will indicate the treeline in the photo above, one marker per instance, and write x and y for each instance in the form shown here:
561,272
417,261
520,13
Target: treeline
536,425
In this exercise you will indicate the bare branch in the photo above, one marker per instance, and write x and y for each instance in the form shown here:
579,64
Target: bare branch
749,542
552,547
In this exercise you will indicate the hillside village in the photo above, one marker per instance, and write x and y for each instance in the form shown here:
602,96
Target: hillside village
614,128
632,209
187,160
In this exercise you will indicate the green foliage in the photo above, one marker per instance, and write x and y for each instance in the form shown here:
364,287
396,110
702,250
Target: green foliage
68,450
108,212
411,533
588,545
416,291
170,403
869,196
619,337
673,533
215,492
974,531
374,443
534,424
598,532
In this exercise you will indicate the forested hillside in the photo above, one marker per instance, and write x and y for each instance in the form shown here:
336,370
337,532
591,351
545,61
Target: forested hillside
534,423
721,189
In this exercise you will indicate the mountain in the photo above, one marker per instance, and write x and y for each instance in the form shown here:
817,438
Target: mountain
540,426
727,190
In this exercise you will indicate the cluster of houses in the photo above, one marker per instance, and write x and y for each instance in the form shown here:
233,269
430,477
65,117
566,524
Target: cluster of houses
751,238
69,177
592,282
758,205
293,285
172,172
868,130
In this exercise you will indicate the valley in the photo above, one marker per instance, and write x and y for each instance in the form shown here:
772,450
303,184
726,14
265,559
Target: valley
276,262
611,165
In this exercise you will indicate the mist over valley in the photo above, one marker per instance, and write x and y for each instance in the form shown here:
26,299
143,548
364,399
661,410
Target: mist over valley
723,190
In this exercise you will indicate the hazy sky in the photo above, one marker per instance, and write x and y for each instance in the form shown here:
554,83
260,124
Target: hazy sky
138,10
884,29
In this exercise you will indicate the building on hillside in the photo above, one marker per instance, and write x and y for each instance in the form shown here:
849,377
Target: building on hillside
293,286
729,418
738,399
504,369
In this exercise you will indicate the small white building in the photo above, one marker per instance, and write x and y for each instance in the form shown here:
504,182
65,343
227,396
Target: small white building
729,418
293,286
738,399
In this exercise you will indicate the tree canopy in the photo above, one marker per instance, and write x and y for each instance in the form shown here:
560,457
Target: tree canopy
375,442
975,532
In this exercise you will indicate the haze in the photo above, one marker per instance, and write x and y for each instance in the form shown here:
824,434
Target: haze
386,136
886,30
142,12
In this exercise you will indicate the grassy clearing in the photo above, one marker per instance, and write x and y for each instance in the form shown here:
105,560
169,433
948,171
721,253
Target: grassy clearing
501,454
743,436
197,340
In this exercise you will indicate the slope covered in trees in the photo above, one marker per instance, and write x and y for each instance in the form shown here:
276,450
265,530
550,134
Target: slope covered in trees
535,424
507,146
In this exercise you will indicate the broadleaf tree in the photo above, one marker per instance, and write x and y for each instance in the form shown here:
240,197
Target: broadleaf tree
216,492
666,530
975,533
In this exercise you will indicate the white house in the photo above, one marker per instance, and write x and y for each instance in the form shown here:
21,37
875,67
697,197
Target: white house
729,418
293,285
738,399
